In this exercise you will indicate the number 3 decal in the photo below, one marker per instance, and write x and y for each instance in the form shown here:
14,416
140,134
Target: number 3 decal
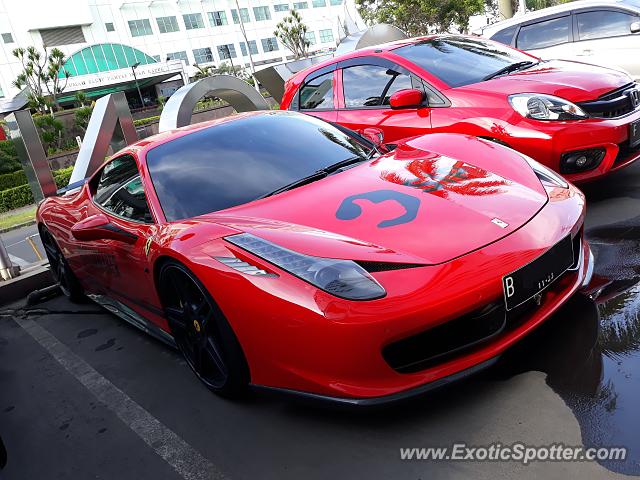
350,210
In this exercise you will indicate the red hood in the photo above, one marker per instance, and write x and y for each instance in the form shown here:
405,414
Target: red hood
573,81
449,203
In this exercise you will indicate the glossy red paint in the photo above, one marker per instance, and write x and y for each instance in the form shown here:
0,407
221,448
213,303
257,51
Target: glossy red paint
482,109
298,337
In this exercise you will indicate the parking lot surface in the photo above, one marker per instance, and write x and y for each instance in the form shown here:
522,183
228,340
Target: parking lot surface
85,395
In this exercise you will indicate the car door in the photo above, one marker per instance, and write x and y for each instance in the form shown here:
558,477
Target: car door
604,37
317,95
122,198
548,38
367,85
94,260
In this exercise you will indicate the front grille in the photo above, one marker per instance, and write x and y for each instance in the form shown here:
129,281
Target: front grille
423,350
455,337
612,104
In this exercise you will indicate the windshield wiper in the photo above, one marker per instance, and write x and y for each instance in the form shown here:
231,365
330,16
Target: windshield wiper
510,68
317,175
298,183
344,163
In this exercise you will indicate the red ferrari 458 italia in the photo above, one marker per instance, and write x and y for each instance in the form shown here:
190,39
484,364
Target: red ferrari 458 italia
580,120
277,250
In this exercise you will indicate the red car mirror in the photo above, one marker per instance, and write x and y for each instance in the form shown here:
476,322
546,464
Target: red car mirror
409,98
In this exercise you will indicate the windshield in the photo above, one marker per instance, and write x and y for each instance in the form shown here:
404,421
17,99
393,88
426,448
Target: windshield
239,161
459,61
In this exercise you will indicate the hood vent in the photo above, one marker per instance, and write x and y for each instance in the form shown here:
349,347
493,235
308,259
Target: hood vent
373,267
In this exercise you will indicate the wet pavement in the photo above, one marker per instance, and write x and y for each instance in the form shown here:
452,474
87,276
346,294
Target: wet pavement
575,380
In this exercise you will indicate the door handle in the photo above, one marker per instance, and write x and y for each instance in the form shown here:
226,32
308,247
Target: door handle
586,52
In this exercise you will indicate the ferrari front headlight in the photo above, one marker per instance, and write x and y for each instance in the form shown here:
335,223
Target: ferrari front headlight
342,278
545,107
545,174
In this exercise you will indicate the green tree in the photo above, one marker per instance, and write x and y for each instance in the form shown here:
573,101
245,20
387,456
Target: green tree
51,132
82,116
9,161
539,4
419,17
203,72
236,70
82,99
292,32
41,75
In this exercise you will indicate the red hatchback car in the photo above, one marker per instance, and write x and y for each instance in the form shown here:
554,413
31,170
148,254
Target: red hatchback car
581,120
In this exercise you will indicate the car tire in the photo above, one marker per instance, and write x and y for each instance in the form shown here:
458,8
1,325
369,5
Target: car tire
201,332
3,455
60,270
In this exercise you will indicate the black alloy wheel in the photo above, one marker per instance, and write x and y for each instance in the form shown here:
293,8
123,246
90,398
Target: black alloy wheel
202,334
62,274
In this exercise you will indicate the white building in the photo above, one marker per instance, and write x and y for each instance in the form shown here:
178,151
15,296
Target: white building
103,39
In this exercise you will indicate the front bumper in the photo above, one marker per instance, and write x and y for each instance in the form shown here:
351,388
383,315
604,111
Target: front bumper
304,340
425,388
546,142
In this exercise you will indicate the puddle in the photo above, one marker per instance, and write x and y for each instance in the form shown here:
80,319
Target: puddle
590,350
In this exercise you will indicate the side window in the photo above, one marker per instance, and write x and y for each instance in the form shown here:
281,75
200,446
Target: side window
505,36
317,93
372,85
604,24
119,190
544,34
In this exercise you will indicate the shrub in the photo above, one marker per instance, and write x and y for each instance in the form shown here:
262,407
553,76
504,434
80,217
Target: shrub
21,196
8,157
15,198
51,131
146,121
11,180
62,176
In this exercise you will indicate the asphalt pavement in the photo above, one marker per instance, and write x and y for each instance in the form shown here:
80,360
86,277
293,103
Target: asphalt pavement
85,395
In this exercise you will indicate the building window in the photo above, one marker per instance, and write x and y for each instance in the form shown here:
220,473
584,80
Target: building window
300,5
167,24
319,3
193,21
140,28
244,13
335,2
202,55
53,37
7,38
253,48
281,7
261,13
227,51
217,19
178,56
109,27
326,36
269,44
311,37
